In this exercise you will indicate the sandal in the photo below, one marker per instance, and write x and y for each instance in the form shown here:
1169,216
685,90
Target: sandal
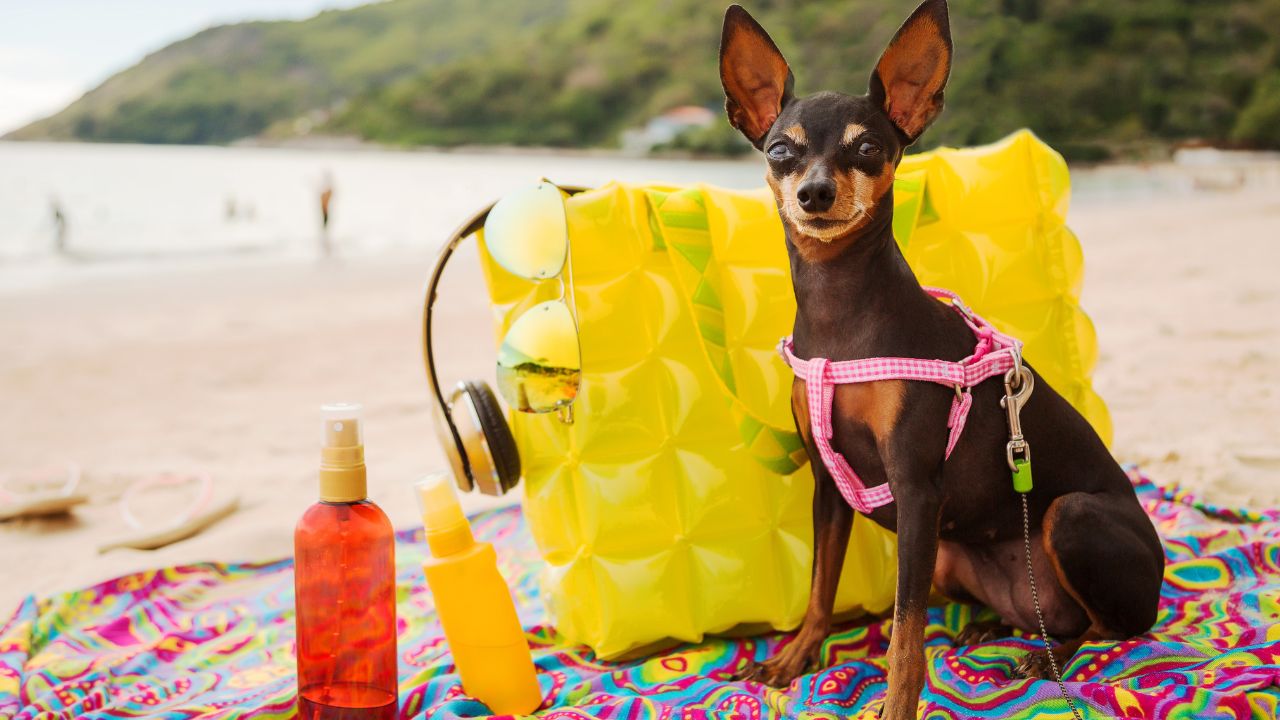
40,493
199,515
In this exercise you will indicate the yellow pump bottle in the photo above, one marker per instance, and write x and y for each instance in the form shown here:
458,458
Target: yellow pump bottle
475,606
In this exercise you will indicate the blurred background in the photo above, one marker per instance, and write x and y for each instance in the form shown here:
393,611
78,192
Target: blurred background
217,214
280,94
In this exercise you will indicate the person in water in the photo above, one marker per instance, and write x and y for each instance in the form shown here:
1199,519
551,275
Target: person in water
59,227
326,202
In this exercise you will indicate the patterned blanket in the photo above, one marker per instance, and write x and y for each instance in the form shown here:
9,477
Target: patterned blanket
216,641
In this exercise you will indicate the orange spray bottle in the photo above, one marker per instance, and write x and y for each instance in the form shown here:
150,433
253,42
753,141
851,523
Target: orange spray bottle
345,583
475,606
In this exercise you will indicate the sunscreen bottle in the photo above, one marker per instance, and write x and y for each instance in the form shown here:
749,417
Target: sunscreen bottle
475,607
345,587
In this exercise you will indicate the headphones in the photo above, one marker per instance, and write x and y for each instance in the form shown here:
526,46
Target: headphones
469,423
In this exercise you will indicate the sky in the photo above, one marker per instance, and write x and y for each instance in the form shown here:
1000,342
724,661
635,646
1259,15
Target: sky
53,51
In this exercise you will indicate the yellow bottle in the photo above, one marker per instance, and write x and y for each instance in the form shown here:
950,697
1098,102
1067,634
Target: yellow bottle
475,606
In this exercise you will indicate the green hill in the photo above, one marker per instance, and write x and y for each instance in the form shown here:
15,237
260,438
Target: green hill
1090,76
235,81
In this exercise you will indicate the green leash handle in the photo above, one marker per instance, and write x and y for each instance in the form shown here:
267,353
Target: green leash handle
1022,475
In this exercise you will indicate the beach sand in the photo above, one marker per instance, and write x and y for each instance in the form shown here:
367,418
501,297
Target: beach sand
222,369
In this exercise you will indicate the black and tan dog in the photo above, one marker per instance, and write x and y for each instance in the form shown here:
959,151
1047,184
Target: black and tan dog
1098,561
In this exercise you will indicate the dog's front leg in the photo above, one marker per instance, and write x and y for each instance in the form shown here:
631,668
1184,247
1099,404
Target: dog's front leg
832,522
918,513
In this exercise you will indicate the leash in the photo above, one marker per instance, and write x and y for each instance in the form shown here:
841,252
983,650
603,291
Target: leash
1018,384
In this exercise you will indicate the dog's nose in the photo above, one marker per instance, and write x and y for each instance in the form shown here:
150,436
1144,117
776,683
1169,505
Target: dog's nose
817,195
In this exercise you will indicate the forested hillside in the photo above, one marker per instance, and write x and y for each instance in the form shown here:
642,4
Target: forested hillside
1091,76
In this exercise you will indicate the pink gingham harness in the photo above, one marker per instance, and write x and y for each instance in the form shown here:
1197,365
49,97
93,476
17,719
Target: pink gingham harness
995,354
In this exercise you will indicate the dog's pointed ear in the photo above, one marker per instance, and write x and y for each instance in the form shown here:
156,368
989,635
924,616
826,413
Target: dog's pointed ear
913,70
757,81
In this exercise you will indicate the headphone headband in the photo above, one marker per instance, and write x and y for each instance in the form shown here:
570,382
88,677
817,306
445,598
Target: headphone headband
466,229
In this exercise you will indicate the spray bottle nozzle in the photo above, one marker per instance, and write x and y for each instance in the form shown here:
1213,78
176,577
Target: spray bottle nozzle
342,427
342,470
445,525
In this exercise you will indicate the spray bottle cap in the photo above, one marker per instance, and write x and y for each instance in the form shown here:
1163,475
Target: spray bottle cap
445,526
342,470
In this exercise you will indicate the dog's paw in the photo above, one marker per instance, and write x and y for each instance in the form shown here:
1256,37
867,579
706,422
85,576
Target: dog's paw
749,670
981,631
782,669
1035,666
772,673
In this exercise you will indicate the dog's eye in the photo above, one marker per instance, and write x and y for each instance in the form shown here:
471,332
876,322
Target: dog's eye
867,149
779,151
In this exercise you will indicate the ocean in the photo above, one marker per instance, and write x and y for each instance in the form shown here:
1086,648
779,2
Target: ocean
131,206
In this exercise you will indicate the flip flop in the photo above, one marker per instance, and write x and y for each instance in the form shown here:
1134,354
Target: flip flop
40,494
193,520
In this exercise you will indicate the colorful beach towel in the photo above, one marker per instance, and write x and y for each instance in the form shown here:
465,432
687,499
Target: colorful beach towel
216,641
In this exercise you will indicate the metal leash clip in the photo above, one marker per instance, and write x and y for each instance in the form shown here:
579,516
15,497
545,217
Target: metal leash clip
1018,385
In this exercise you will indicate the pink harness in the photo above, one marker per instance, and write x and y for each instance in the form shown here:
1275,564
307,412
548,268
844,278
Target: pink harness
995,354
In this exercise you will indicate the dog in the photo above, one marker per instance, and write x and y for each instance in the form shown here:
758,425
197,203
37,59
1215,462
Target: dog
1098,561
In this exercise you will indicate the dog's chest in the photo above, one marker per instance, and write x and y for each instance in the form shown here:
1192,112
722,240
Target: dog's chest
863,420
872,406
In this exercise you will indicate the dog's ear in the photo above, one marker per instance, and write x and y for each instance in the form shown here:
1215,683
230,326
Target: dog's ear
757,81
913,70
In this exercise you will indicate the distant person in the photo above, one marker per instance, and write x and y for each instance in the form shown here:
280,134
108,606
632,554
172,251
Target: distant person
59,227
326,203
231,208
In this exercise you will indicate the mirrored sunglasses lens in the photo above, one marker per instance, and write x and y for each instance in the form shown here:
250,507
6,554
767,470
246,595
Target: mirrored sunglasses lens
526,232
539,363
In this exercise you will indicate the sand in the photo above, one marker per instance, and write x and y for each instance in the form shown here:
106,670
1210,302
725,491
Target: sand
221,369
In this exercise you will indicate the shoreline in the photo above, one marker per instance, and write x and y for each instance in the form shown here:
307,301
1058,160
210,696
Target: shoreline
119,234
1169,156
1094,187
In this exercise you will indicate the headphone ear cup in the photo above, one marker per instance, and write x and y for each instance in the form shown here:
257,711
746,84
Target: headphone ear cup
497,438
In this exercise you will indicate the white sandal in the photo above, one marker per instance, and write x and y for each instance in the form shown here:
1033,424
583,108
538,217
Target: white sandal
40,493
195,518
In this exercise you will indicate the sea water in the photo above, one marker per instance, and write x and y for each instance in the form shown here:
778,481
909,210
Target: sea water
125,207
140,203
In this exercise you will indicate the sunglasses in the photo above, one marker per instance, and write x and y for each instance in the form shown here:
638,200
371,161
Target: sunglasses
540,358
